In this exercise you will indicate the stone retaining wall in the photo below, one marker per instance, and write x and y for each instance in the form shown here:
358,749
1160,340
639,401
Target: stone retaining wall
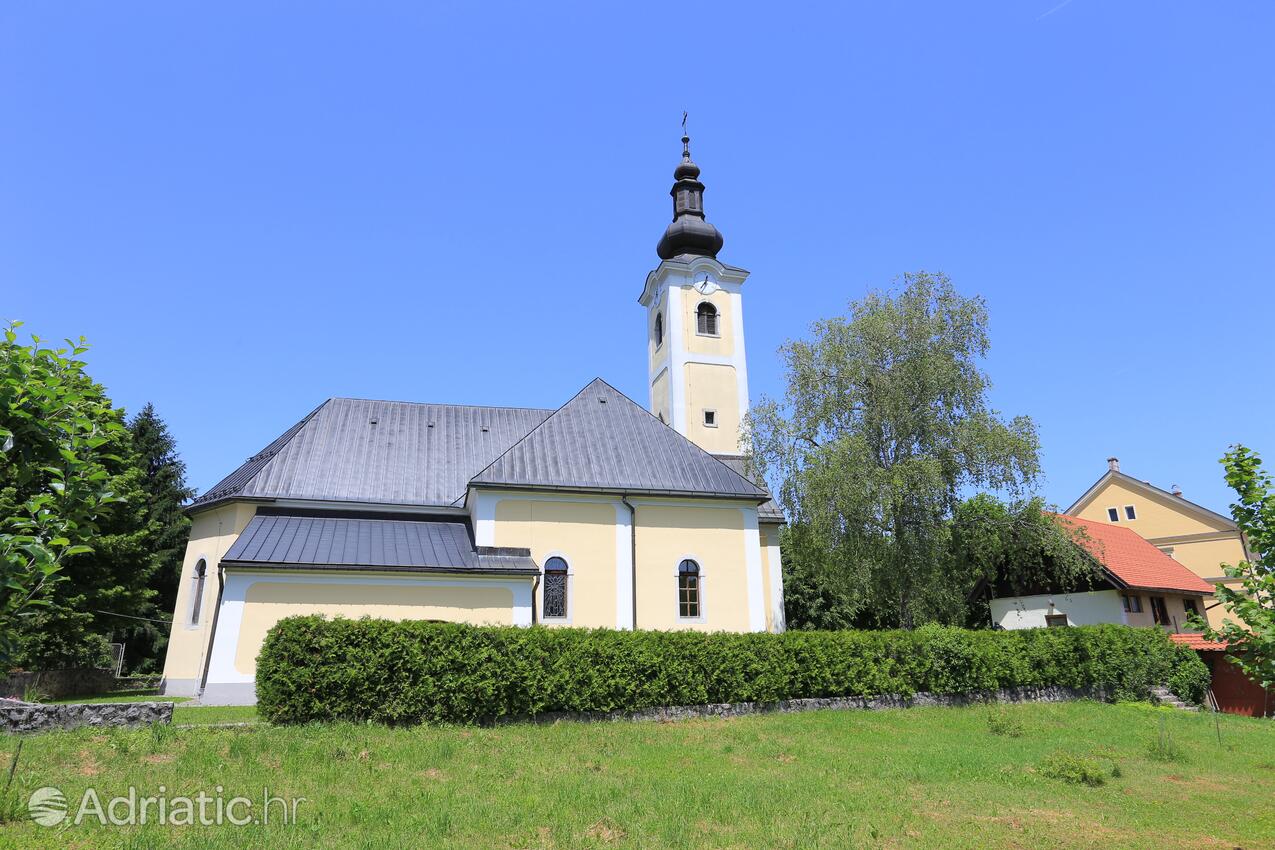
24,717
75,682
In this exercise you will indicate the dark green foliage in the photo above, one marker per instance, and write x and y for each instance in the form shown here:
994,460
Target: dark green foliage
312,669
1072,769
1189,681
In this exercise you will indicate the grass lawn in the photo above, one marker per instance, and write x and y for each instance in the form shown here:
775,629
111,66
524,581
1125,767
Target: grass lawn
123,696
934,778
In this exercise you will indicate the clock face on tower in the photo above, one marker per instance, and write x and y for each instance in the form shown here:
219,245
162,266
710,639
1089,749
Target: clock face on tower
706,286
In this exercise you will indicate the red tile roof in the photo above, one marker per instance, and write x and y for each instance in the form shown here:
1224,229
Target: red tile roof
1133,560
1197,642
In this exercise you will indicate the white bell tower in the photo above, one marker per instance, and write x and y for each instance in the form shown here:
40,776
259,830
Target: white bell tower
695,325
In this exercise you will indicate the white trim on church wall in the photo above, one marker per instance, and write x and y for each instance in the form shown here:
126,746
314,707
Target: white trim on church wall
752,566
776,585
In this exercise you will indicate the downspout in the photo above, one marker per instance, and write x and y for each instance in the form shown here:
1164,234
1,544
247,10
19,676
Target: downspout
632,552
212,628
535,585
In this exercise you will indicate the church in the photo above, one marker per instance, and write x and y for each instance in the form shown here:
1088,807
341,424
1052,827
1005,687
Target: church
600,513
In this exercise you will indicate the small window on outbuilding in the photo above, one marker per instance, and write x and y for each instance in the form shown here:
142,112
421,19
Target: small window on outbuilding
1160,611
659,329
1055,620
688,589
706,319
1113,514
1189,606
555,590
1132,604
1129,512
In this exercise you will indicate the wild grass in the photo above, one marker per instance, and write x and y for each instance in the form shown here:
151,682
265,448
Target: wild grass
920,778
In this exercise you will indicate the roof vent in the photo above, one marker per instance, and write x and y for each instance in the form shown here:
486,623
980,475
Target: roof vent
1177,491
602,401
431,425
485,429
1113,463
373,420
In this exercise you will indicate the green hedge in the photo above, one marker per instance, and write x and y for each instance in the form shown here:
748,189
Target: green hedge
313,669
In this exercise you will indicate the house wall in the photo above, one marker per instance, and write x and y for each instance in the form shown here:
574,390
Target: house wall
1082,609
253,602
212,533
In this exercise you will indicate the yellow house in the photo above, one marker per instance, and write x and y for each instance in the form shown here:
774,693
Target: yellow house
599,513
1194,536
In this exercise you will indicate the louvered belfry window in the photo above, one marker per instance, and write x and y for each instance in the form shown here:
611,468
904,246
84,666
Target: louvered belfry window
688,602
659,329
706,319
555,588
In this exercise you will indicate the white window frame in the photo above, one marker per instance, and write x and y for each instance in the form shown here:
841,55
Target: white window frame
1113,510
703,596
704,418
1130,513
571,596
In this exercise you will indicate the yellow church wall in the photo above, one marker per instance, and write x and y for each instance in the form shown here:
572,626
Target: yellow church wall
660,395
266,603
581,532
1157,516
715,539
723,344
711,386
212,533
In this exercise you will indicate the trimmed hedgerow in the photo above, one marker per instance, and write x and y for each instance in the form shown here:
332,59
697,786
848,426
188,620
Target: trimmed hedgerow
313,669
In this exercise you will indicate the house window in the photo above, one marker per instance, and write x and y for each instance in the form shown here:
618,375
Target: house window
197,603
1188,605
659,329
688,601
555,595
1159,611
710,418
1168,550
1129,512
1132,604
1055,620
1113,514
706,319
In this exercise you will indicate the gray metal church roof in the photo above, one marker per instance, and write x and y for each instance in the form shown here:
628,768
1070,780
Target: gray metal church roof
386,452
383,544
603,440
400,453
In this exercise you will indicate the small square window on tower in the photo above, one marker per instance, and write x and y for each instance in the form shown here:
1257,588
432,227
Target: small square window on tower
710,418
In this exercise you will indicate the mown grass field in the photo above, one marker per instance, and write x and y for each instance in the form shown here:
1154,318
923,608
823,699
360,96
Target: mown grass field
920,778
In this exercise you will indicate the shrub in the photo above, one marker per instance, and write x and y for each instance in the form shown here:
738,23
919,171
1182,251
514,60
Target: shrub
1073,769
1004,723
312,669
1189,676
1163,747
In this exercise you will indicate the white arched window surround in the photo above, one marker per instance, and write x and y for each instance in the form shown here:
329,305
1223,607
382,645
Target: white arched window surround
540,593
708,319
199,580
703,598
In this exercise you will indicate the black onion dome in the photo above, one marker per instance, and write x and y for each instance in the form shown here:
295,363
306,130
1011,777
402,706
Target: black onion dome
689,233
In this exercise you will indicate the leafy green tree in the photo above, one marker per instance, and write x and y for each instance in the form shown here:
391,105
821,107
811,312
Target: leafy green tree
884,424
1251,640
56,429
1017,548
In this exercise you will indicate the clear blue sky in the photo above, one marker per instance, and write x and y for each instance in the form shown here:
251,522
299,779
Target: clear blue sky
250,207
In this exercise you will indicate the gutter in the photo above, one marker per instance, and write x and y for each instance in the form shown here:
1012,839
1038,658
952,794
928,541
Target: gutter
212,629
632,551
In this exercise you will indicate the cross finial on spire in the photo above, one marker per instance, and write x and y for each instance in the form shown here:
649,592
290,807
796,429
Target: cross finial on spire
686,139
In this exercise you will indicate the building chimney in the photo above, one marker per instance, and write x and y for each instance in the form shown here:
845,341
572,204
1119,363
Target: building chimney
1177,491
1113,463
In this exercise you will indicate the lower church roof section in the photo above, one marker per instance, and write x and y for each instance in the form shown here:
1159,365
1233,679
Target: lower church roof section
313,542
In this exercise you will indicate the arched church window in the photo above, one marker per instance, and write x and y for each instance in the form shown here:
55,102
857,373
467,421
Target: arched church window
706,319
555,595
659,329
688,589
201,574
